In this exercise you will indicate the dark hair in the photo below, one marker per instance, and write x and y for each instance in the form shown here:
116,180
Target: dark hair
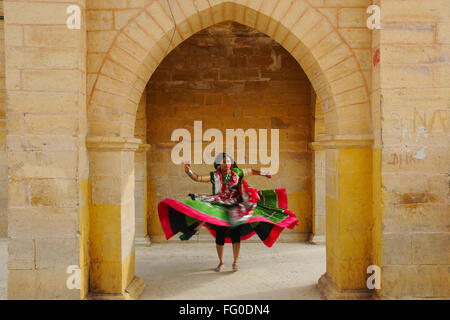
220,157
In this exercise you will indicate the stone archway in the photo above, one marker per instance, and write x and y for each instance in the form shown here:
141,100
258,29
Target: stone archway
337,79
326,58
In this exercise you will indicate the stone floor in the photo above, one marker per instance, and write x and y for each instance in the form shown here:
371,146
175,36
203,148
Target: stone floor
184,270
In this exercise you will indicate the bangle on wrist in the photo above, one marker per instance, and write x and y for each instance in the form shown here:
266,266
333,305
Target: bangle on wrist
190,172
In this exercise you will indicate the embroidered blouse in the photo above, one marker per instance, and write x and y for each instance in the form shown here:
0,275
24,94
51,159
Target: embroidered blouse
245,172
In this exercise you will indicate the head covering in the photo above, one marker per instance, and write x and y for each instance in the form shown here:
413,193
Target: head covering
219,158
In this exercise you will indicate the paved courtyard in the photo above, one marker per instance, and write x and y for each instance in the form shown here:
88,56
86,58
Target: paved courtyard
179,270
184,270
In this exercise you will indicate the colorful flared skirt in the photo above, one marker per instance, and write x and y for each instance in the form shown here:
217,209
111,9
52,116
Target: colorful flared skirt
270,217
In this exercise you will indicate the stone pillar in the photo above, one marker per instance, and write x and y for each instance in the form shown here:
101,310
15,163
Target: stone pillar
319,211
349,216
112,213
45,66
3,157
318,165
411,81
140,194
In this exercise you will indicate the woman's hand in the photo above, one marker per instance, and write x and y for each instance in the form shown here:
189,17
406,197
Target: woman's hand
261,173
193,175
266,174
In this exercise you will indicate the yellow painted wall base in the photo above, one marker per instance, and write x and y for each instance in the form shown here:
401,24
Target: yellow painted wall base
331,292
378,207
85,191
105,249
349,216
128,267
109,272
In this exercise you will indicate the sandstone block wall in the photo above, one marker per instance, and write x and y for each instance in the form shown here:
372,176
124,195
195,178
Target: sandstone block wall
392,84
140,191
413,97
47,160
230,76
3,157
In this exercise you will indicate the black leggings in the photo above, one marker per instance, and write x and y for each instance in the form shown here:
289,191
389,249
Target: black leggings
235,234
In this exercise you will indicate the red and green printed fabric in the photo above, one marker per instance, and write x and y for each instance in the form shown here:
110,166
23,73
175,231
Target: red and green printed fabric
233,203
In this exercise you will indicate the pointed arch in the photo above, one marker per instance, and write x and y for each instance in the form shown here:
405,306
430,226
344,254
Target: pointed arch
302,30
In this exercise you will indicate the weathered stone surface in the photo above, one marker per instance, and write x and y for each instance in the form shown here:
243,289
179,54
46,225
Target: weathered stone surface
58,85
51,256
21,254
257,80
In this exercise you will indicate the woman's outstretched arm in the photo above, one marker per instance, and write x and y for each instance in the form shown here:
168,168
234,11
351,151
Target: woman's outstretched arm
254,172
193,175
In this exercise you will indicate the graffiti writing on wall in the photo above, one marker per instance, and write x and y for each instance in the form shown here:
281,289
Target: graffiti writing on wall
418,122
400,159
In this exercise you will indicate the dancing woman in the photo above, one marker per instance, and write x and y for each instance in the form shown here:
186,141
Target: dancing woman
234,211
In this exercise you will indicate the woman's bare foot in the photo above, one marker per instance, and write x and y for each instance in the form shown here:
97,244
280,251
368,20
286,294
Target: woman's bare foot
235,266
219,267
